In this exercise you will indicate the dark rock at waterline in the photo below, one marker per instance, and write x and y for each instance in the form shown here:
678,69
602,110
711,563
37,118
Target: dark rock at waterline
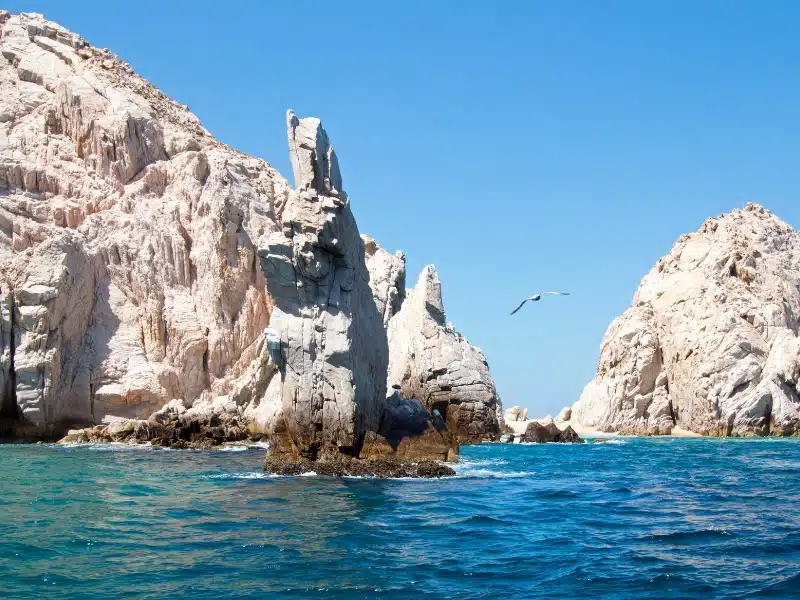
570,435
542,434
507,438
354,467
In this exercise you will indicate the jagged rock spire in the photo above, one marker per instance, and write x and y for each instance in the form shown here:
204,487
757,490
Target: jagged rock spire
332,335
314,161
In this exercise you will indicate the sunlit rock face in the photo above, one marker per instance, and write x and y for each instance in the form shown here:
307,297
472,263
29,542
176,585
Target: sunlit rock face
710,342
156,285
128,269
333,342
429,360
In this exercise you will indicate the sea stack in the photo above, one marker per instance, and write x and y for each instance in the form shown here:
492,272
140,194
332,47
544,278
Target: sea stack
710,342
333,344
431,361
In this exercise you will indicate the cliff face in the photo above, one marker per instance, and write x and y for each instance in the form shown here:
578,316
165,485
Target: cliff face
710,343
128,271
152,275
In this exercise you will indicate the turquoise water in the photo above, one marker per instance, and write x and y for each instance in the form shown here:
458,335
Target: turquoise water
637,518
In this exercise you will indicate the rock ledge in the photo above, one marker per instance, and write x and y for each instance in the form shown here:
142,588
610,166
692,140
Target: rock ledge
383,468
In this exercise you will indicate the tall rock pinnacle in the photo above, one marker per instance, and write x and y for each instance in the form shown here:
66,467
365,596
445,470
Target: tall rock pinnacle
332,337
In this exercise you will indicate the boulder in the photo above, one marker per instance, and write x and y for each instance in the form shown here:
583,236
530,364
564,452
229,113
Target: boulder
409,431
516,413
549,432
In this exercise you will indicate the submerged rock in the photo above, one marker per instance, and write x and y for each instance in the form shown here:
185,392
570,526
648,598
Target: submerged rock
343,467
710,342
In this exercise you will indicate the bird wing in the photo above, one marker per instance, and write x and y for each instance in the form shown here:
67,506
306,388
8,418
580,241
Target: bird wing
556,293
520,305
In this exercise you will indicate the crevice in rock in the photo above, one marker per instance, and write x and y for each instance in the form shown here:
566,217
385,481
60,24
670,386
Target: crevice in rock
739,388
9,408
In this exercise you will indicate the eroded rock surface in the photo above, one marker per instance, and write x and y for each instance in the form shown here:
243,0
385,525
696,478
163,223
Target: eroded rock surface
430,361
516,413
333,344
710,342
344,467
156,285
128,271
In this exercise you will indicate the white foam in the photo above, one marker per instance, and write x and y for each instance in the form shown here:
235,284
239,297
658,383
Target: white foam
614,442
234,449
488,474
105,446
251,475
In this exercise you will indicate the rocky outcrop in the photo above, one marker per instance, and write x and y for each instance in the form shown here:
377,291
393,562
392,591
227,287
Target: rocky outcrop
349,467
549,432
430,361
156,285
710,342
387,278
515,413
332,340
128,271
204,425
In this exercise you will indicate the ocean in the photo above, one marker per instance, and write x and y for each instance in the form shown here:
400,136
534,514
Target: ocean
631,518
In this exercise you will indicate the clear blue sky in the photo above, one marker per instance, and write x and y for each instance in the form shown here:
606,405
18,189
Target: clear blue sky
518,146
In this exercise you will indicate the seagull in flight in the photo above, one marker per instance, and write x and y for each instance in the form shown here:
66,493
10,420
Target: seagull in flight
538,297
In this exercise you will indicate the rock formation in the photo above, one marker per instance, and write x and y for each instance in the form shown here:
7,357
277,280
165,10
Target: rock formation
430,361
515,413
332,339
128,271
538,433
387,278
710,342
158,285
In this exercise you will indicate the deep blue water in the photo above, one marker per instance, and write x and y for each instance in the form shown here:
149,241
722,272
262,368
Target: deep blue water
637,518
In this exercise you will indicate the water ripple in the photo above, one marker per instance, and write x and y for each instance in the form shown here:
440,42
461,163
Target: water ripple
632,518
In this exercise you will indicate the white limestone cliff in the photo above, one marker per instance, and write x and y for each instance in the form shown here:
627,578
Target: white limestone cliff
710,343
128,271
